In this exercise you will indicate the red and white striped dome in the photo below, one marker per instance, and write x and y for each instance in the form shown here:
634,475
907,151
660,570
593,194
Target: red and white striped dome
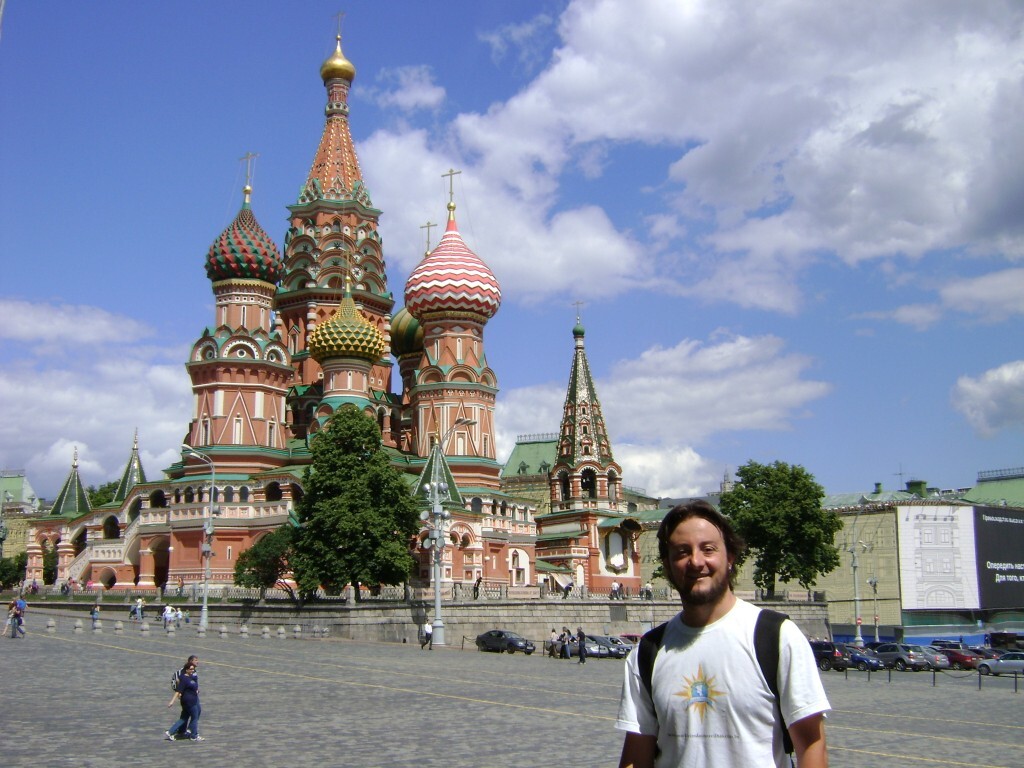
452,279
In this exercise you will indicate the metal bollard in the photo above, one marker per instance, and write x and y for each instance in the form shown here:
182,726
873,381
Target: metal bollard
201,630
144,629
297,632
281,634
243,632
223,631
170,630
51,626
265,633
97,627
118,627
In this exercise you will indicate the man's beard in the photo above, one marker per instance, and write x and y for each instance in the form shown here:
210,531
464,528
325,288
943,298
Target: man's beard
703,596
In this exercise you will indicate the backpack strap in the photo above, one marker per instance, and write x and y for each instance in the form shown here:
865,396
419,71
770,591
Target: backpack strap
767,632
650,644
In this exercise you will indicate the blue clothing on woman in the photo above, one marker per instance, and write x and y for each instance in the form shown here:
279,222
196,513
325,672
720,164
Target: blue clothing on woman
188,688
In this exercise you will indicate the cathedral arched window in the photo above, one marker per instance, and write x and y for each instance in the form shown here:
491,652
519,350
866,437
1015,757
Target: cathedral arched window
563,485
588,483
477,505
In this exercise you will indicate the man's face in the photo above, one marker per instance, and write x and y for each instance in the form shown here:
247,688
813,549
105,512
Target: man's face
698,564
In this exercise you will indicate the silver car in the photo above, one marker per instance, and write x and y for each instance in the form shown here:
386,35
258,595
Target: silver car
936,658
1008,663
901,656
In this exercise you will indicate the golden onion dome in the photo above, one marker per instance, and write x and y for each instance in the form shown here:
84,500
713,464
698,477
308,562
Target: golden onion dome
337,66
346,334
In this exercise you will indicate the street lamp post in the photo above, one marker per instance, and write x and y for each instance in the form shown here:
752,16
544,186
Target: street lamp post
858,637
7,499
873,583
437,493
207,548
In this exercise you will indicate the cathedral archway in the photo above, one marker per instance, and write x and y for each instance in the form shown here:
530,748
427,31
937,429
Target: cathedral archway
111,528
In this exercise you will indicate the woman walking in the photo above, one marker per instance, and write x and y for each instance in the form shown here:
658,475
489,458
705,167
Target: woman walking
188,694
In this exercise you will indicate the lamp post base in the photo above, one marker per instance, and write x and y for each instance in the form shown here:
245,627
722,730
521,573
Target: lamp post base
438,636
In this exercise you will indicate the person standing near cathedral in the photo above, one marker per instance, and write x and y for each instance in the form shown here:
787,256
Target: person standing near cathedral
428,635
581,642
702,702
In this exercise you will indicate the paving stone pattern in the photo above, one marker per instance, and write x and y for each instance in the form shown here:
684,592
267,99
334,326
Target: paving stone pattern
88,700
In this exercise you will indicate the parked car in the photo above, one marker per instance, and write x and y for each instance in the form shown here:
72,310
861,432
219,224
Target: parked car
864,659
622,643
1009,662
503,640
901,656
631,637
937,659
988,653
960,656
830,655
615,651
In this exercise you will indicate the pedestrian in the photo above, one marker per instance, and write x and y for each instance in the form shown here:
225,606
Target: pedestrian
476,587
181,586
188,616
140,609
648,591
428,635
581,641
567,589
177,618
187,694
703,702
553,644
614,593
14,618
168,616
94,614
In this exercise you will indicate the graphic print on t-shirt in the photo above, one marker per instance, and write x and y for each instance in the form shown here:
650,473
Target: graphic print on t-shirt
700,692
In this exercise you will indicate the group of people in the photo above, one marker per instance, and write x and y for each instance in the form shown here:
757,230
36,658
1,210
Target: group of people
16,616
172,615
186,693
567,644
696,692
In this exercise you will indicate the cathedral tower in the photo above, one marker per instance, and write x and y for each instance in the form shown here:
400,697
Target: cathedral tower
332,233
239,367
452,294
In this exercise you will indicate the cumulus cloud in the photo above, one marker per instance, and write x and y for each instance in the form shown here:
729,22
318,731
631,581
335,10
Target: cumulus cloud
407,88
994,400
995,297
661,405
65,324
93,399
849,131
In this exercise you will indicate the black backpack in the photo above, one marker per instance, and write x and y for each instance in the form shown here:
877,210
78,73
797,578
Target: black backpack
766,648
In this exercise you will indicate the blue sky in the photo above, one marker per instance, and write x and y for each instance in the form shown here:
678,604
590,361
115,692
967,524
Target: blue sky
796,228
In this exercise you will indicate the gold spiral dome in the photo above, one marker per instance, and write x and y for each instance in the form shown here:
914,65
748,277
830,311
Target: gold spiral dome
337,66
346,334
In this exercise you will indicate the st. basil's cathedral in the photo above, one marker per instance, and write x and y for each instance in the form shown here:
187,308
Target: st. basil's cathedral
297,335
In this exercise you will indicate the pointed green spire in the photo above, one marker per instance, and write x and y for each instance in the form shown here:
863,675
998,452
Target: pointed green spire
72,500
133,473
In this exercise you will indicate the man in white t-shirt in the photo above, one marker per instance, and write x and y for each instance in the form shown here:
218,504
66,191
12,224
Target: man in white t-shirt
710,704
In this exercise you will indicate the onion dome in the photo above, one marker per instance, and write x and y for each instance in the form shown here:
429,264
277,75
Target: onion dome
346,334
452,279
337,66
244,250
406,333
578,331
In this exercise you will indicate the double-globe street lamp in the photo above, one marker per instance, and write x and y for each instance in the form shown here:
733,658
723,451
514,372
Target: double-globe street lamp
207,546
437,492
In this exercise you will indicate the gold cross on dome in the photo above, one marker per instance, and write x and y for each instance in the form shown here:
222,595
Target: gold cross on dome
428,226
452,173
250,162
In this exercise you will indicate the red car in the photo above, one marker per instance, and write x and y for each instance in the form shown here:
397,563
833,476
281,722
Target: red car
959,655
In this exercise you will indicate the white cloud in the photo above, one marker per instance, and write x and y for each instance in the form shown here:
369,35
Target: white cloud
528,39
63,397
802,130
993,401
65,324
995,297
661,404
407,88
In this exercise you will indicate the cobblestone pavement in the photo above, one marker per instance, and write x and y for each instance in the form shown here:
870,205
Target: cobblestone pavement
88,700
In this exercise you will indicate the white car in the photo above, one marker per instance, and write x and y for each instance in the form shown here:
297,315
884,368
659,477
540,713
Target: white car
1009,662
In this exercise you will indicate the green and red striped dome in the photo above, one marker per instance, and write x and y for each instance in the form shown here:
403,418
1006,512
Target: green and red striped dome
244,251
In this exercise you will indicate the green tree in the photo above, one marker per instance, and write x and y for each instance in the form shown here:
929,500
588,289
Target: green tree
49,563
777,509
265,563
102,495
357,515
12,570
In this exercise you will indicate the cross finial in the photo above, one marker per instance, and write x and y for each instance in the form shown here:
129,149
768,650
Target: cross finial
578,304
452,173
428,226
250,161
339,16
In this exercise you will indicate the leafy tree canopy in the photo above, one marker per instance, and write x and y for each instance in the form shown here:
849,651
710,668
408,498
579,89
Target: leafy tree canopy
265,563
357,515
777,509
102,495
12,570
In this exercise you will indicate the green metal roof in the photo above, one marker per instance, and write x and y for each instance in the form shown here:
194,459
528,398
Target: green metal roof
1000,492
571,534
72,500
530,455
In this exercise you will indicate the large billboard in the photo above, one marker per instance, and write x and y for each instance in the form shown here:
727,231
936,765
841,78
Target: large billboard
937,557
999,538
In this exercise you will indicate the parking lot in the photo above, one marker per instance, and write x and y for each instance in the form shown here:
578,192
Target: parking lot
100,700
